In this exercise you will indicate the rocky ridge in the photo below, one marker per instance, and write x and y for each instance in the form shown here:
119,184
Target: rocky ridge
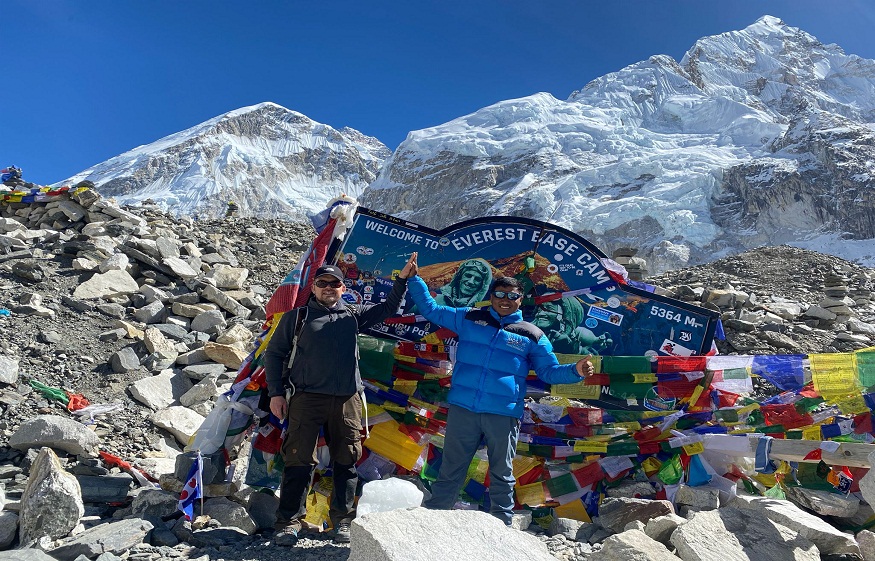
151,314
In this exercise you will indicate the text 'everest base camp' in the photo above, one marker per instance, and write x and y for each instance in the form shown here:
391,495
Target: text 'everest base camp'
701,233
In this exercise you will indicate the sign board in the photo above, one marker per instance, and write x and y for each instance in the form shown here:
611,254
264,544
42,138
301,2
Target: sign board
588,312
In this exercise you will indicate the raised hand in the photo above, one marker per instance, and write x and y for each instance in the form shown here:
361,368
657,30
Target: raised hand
411,268
584,367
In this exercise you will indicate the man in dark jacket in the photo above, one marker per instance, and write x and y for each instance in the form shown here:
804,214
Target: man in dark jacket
325,383
495,353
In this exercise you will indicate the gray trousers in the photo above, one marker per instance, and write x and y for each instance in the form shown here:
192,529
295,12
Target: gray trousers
464,431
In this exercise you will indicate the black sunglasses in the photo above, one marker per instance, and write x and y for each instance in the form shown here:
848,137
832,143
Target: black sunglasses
323,283
508,295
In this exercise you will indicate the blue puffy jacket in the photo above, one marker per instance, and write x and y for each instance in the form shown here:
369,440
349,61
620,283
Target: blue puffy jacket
494,355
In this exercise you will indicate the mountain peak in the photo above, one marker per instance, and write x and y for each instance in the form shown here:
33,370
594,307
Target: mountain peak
269,159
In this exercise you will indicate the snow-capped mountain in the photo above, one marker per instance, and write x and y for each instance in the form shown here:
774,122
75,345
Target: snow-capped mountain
271,161
756,137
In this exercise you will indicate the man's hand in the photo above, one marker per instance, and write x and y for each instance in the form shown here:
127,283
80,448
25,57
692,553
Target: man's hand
410,269
279,407
584,367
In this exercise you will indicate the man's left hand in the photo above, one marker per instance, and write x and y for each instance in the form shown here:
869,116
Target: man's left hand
584,367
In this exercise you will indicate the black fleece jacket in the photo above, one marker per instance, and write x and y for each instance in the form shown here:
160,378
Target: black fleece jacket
326,360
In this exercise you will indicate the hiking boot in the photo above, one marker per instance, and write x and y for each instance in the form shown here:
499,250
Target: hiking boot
341,533
286,534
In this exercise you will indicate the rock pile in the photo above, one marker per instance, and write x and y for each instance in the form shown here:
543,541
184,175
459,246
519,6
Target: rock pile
148,316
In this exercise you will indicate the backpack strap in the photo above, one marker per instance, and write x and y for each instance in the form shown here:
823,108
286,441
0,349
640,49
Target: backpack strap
300,318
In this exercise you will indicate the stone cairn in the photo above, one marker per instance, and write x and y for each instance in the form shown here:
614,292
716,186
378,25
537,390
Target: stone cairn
635,266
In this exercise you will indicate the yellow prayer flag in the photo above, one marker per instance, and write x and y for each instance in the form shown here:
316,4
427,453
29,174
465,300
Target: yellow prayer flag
422,404
523,465
573,510
644,378
851,404
580,390
407,387
630,426
531,494
386,440
432,339
590,447
651,465
697,393
834,374
811,433
317,510
694,448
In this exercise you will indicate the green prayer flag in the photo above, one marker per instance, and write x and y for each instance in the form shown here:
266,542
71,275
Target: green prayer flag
561,485
50,392
626,364
671,471
866,368
776,492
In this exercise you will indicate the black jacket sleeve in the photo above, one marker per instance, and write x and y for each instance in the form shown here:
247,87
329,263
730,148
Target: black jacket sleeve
278,349
369,315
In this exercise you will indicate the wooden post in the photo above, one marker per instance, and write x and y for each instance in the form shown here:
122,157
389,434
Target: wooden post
851,454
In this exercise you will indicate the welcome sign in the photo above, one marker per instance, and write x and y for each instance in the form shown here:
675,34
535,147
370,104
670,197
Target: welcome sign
570,294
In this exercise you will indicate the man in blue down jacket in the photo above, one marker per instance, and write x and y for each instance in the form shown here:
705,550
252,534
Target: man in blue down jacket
495,353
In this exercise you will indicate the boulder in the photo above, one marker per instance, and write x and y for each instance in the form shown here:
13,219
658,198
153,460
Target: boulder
229,513
103,285
8,370
8,528
56,432
113,538
181,422
386,536
732,534
615,513
161,390
51,504
633,545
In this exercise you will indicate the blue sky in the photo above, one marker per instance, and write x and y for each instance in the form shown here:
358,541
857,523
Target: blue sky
86,80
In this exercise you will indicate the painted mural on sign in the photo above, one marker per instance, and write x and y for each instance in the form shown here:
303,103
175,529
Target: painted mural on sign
571,295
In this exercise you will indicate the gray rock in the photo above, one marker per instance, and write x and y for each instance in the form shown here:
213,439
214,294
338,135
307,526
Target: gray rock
699,498
229,513
867,483
113,537
202,391
385,536
661,528
633,545
615,513
824,503
201,371
104,285
161,390
866,541
51,504
25,555
154,504
124,360
56,432
732,534
181,422
208,321
155,341
566,527
153,312
179,267
828,539
8,370
228,277
262,508
8,528
224,301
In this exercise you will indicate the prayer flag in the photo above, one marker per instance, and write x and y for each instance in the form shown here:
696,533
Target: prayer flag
192,489
671,471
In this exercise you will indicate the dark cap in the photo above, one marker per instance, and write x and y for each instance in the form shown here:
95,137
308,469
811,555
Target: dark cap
329,270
